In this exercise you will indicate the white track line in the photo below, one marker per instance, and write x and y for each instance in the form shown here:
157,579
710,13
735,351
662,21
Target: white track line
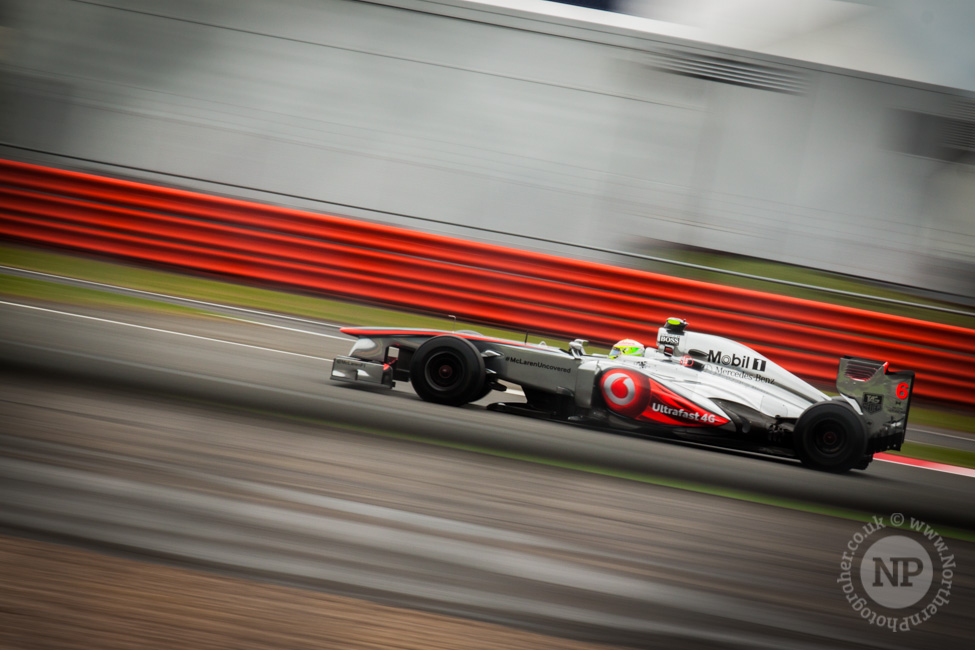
937,467
157,329
197,336
946,435
171,297
282,327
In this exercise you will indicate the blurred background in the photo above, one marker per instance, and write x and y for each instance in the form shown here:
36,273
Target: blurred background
829,134
189,420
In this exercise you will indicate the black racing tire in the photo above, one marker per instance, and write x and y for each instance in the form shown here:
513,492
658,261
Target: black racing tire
448,370
484,392
830,436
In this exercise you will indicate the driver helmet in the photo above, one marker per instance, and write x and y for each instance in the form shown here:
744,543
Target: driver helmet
626,347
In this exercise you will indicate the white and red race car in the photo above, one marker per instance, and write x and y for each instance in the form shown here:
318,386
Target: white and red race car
691,385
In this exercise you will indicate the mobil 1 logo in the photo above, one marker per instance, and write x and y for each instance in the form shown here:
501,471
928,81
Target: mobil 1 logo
894,575
744,362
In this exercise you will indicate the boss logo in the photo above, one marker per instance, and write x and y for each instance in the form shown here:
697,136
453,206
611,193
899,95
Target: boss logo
668,340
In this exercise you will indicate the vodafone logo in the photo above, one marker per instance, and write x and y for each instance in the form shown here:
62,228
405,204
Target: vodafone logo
625,392
620,388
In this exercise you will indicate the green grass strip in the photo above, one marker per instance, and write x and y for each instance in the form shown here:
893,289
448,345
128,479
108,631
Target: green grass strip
790,273
946,455
963,423
13,286
229,293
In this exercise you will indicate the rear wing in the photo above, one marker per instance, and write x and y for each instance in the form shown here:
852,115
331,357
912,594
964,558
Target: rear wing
884,398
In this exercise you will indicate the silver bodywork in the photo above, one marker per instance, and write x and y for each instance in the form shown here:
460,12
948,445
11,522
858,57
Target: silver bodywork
690,383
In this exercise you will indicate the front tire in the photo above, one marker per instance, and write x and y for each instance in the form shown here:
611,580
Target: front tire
830,437
448,370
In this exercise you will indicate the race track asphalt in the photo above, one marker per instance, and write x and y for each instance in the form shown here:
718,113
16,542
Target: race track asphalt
223,444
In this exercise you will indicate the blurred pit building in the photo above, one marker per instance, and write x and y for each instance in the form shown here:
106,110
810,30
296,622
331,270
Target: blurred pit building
835,135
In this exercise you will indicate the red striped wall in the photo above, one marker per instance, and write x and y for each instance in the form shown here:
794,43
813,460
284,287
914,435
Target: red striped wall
475,281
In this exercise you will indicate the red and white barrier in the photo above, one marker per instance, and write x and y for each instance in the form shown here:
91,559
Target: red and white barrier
475,281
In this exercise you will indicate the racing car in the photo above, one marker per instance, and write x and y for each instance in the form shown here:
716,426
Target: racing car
696,386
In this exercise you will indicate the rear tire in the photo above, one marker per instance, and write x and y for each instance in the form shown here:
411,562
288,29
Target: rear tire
830,437
448,370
